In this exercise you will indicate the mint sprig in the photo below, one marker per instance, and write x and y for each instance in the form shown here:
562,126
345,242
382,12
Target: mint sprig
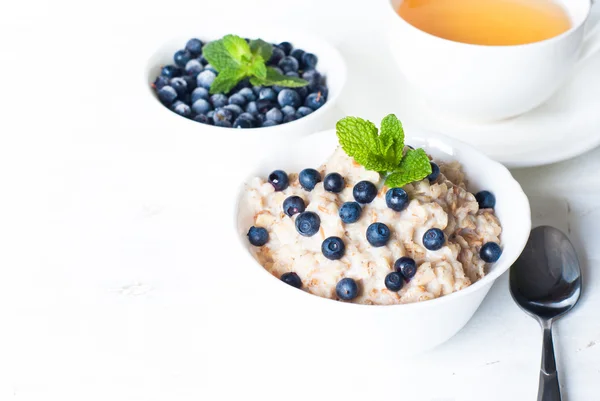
235,59
383,151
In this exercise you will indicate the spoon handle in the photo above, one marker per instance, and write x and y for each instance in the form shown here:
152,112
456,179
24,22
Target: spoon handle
549,389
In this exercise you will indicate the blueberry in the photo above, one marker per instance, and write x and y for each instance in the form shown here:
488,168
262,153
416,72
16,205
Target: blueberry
244,83
393,281
222,114
234,109
396,199
292,74
314,100
210,115
302,91
171,71
279,180
406,266
346,289
248,94
350,212
257,89
223,123
218,100
297,54
242,122
264,105
308,178
292,279
258,236
309,61
289,118
312,75
190,82
322,89
268,94
333,182
260,118
179,85
247,116
202,59
433,239
274,115
378,234
288,63
308,224
289,97
251,108
203,118
435,172
333,248
160,82
303,111
193,67
182,109
201,106
269,123
293,205
278,88
209,67
205,79
199,93
167,95
277,55
181,57
286,47
490,252
486,200
364,192
237,99
288,110
194,46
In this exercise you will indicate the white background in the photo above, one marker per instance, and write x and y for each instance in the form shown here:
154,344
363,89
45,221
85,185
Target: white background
112,284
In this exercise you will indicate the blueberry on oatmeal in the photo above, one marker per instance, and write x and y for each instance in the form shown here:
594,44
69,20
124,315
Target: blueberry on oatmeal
346,289
293,205
258,236
279,180
292,279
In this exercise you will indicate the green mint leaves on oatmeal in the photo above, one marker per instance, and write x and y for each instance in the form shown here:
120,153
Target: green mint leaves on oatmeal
235,59
383,151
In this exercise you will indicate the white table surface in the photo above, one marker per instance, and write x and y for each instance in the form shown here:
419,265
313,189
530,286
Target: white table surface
111,284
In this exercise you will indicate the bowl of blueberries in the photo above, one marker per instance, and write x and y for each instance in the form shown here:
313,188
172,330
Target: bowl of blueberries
250,84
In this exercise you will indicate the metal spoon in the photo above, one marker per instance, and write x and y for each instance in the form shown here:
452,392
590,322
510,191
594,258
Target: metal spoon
546,283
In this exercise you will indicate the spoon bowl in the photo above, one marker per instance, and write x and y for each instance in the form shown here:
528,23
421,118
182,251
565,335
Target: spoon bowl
545,282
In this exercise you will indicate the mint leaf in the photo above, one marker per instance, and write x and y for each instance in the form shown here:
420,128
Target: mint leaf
414,166
226,80
258,68
275,78
392,138
356,134
259,47
237,47
218,56
360,140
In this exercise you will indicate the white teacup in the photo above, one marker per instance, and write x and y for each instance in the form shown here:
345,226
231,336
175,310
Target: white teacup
489,83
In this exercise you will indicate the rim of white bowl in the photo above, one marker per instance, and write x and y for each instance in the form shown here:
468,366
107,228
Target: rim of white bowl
332,53
499,268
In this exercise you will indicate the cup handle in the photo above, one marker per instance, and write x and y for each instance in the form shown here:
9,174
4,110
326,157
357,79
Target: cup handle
591,41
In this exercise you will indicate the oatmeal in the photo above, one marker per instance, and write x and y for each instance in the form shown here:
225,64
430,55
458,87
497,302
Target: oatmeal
440,229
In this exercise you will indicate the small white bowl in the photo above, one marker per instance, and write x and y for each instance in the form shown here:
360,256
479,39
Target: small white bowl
408,328
330,64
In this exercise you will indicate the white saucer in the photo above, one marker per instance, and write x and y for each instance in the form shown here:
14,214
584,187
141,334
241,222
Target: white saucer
566,126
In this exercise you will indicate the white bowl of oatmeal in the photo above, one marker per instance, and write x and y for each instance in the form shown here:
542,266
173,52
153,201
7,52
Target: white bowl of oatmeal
449,284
